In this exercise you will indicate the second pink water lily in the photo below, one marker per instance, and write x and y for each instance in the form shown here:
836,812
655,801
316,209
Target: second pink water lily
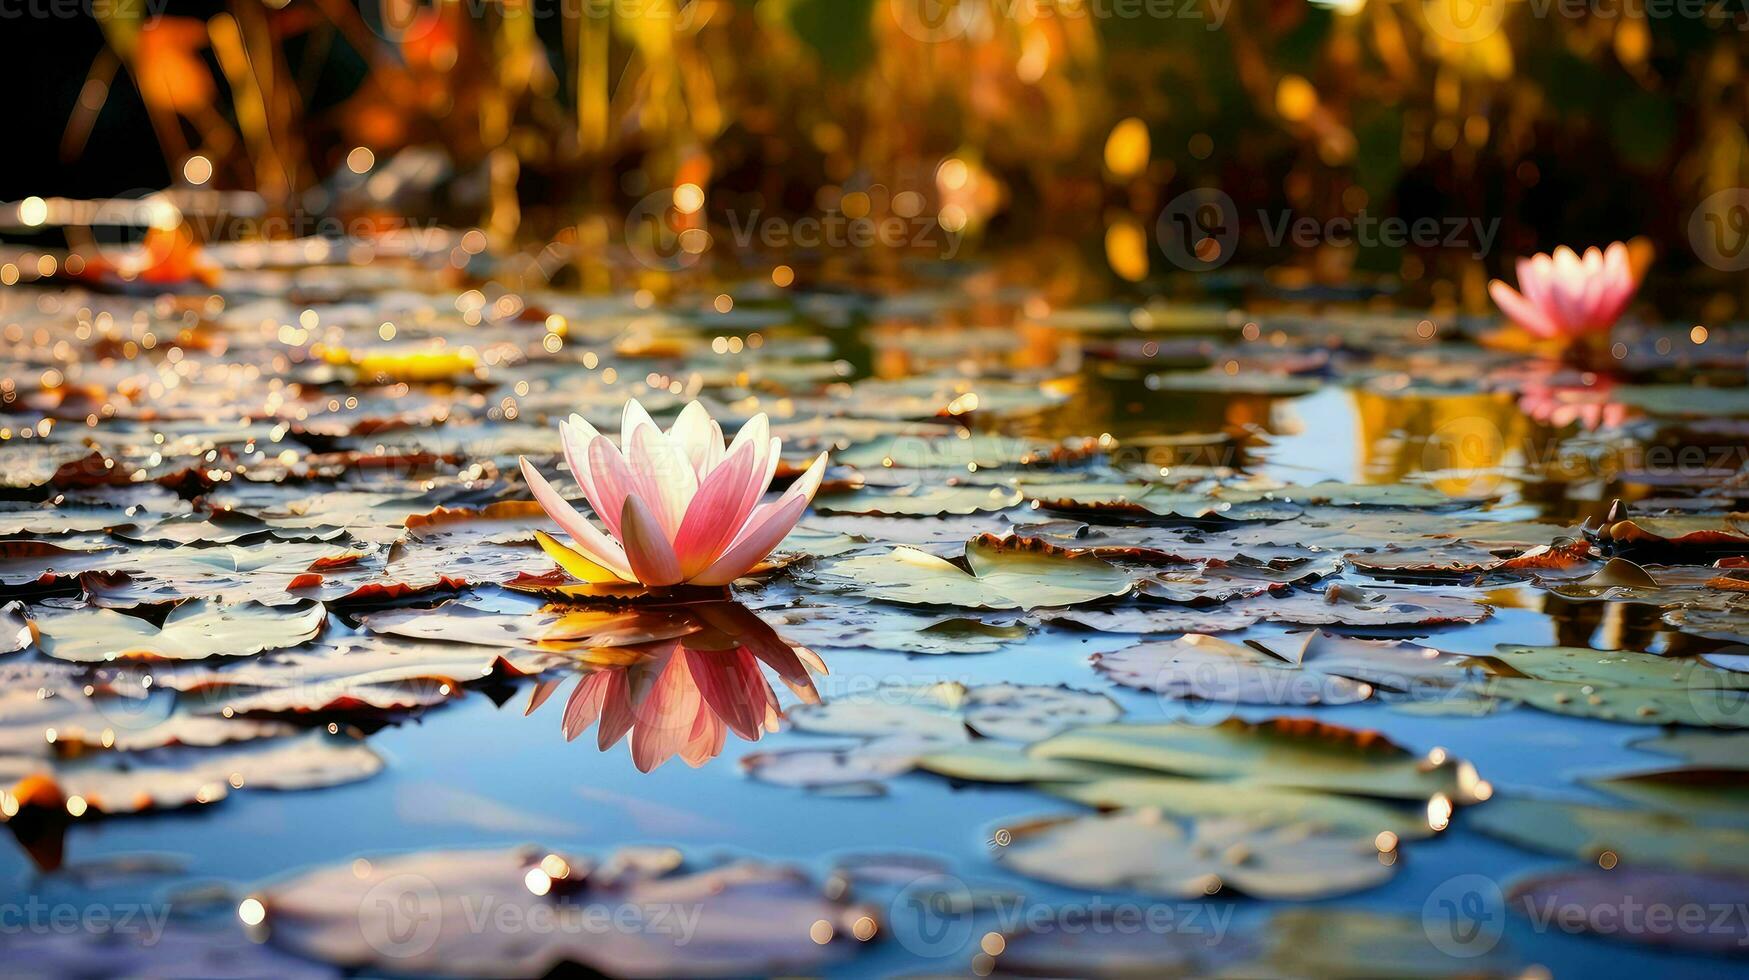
1565,296
679,507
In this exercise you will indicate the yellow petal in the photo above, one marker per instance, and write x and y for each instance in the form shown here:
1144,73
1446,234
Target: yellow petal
574,564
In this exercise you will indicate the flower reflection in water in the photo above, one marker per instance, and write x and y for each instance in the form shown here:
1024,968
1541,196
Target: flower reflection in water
681,695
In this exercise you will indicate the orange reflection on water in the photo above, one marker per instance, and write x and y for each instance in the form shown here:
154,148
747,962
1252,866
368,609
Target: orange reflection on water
682,695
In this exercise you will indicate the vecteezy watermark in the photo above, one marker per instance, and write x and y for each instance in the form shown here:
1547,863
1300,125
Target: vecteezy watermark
947,20
99,10
1199,229
1474,454
837,230
937,915
1372,231
1468,21
1465,916
1715,703
403,916
36,917
1718,230
667,231
413,22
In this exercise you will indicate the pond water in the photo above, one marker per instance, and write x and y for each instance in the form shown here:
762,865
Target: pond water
325,404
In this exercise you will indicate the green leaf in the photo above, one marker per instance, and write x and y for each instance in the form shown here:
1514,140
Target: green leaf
194,630
1005,574
1636,837
1291,753
1147,852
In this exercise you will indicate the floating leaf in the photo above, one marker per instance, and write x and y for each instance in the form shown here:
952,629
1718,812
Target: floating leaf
1004,574
527,624
1289,753
194,630
175,777
1143,851
1635,837
746,918
1593,901
873,626
919,501
1200,666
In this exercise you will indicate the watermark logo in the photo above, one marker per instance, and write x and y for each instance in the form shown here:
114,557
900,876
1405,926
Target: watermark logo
1465,916
401,916
1466,451
1464,21
932,916
838,230
1718,231
654,235
1199,229
930,21
1720,707
35,917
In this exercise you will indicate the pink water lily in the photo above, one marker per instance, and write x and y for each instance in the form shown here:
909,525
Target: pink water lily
679,507
1565,297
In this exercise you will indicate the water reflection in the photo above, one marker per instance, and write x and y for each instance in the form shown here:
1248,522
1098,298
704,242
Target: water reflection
681,695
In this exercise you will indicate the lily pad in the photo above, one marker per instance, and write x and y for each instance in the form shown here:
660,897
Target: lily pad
194,630
873,626
1004,574
1144,851
1592,901
1634,837
1199,666
743,918
1293,753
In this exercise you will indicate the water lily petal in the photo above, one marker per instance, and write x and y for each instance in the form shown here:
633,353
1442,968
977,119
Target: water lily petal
665,478
767,527
575,434
594,545
666,715
613,481
632,417
1520,310
575,563
716,513
729,681
647,549
691,434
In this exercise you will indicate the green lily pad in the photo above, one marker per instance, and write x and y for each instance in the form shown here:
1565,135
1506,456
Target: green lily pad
194,630
1716,750
1293,753
1712,795
1145,851
1635,837
874,626
919,501
419,913
1005,574
1200,666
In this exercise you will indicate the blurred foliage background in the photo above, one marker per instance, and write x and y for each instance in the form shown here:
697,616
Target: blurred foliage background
1572,121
